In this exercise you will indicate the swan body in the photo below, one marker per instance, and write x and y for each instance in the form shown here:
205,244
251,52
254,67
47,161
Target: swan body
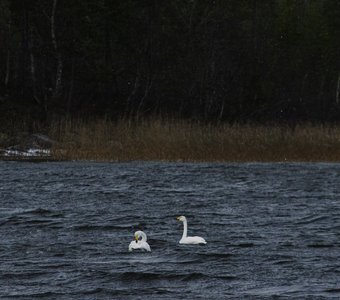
140,242
189,239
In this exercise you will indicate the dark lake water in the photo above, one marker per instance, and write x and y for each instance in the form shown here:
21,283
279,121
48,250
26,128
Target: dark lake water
273,230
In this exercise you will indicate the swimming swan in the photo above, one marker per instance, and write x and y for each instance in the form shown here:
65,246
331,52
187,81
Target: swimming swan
189,239
140,242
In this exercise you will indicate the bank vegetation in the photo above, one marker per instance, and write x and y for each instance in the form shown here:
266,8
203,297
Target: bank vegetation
178,140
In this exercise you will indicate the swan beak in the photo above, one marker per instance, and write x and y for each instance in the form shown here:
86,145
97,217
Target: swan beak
177,218
136,238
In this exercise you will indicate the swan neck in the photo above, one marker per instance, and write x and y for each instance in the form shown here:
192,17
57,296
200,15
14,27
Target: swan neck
144,238
185,229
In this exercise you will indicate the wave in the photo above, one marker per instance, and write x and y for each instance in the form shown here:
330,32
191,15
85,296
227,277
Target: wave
320,245
146,276
311,219
16,295
32,223
333,290
37,216
212,255
100,227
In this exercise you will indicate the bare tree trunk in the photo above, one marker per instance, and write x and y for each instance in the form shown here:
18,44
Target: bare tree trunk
8,66
32,66
8,60
70,93
21,70
148,86
337,94
220,116
59,72
129,105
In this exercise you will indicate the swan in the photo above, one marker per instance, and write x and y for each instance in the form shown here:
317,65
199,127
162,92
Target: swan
140,242
189,239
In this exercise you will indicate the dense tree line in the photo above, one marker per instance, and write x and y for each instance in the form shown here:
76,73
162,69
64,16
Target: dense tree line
221,60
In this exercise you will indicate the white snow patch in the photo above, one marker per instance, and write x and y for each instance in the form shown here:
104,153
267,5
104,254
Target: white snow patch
28,152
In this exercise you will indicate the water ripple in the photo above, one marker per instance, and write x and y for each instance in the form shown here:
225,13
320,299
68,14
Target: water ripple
272,230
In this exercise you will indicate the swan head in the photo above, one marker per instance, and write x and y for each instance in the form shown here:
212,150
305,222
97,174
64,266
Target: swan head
140,235
181,218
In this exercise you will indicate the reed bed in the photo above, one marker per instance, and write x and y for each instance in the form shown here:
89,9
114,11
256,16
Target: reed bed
175,140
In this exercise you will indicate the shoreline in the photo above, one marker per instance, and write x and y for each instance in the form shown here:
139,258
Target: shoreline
259,161
174,141
18,160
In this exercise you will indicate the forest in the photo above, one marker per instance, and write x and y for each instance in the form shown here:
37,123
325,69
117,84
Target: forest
231,61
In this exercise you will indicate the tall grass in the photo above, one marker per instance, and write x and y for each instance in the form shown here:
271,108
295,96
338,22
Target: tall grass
175,140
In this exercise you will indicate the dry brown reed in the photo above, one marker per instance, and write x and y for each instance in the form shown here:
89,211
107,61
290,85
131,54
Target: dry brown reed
175,140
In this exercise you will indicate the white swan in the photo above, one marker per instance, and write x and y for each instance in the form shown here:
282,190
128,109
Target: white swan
140,242
189,239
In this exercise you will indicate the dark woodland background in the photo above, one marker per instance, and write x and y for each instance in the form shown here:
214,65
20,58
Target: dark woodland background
275,61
